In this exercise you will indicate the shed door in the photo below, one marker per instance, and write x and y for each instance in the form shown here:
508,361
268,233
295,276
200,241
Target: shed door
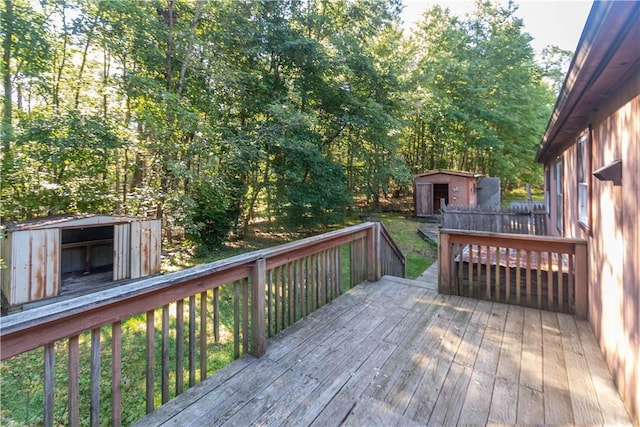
145,247
35,265
121,251
424,198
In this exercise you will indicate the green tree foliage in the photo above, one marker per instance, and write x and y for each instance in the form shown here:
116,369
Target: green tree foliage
479,101
209,113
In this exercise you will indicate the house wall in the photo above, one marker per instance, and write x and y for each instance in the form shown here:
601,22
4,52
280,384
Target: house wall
613,233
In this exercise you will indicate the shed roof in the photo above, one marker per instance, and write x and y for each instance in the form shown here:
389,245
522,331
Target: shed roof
448,172
68,221
607,53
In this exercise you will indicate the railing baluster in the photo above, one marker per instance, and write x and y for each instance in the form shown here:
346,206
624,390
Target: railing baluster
179,346
303,285
245,315
257,307
216,314
528,276
470,271
539,278
518,278
286,299
291,292
165,354
269,304
277,297
74,390
550,291
488,270
507,276
570,282
236,319
150,376
560,283
203,335
116,372
49,383
94,408
192,340
498,260
312,284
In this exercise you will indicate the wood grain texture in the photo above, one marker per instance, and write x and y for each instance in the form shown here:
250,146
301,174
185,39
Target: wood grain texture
393,352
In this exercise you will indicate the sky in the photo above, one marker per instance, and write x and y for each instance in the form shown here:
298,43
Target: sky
549,22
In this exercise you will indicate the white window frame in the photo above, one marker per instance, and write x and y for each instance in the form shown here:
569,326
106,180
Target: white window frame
582,168
559,196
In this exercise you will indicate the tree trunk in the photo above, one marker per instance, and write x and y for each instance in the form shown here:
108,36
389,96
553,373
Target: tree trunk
7,128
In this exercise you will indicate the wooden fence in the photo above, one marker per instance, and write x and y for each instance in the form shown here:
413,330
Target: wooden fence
270,290
548,273
516,219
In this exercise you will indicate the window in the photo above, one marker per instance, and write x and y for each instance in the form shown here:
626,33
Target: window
583,180
559,203
547,189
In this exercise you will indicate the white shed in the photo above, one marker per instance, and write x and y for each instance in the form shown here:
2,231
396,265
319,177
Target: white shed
41,256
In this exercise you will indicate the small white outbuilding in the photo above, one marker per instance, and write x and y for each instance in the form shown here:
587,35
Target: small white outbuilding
40,255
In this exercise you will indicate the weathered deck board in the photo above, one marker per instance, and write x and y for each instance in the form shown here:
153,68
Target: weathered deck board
395,352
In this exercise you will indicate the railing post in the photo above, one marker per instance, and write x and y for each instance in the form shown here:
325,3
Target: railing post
373,253
580,279
444,264
258,277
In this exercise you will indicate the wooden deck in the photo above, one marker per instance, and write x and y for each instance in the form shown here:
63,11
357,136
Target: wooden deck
395,352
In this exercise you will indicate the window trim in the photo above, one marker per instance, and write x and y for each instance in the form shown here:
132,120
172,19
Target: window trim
559,167
583,164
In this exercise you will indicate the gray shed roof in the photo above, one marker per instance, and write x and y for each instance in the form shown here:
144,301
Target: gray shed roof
69,221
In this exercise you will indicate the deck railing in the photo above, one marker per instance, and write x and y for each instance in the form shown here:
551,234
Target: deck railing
268,290
548,273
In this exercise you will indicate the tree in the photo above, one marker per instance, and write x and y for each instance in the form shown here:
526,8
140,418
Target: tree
481,104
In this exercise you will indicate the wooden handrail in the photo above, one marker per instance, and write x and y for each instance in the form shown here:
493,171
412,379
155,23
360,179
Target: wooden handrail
110,305
539,271
272,288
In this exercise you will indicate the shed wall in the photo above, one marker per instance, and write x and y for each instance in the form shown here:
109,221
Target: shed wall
145,240
121,251
34,259
462,191
34,272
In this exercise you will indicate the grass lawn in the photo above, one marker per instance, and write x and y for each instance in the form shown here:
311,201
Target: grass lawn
420,253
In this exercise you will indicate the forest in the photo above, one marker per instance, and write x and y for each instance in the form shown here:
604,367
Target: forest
212,113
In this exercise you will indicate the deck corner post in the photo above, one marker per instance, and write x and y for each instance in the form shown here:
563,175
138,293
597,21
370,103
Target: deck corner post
581,281
444,264
258,279
373,253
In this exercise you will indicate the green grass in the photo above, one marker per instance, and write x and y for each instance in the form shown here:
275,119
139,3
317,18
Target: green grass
420,253
520,194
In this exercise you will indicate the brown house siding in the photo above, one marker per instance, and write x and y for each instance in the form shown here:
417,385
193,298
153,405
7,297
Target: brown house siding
613,232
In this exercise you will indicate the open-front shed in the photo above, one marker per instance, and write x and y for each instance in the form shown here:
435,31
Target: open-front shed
44,256
455,187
